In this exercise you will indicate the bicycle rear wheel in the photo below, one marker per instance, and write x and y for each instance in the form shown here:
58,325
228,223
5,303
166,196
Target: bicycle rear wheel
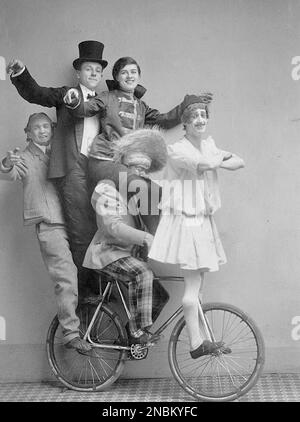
219,377
99,368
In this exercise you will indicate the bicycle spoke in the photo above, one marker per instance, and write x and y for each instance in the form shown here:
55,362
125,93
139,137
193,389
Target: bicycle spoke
194,367
239,351
219,379
234,362
82,370
230,327
72,366
94,369
229,373
89,362
239,334
243,340
205,364
225,366
102,333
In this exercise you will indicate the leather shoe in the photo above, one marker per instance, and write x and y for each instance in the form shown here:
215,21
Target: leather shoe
207,348
79,344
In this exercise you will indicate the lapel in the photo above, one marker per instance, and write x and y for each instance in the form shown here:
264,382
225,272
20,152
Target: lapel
79,124
37,152
134,212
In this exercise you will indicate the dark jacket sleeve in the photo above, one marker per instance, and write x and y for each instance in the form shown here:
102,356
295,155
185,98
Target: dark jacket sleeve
33,93
91,107
165,120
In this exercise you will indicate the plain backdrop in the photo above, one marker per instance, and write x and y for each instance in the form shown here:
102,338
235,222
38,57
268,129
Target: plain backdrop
240,50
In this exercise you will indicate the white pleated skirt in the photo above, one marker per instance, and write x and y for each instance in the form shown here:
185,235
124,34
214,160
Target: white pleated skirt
189,241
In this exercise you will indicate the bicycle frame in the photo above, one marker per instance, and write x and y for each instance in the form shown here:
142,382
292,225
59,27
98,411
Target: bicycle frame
162,328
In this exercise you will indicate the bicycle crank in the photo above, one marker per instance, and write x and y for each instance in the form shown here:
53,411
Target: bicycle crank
138,351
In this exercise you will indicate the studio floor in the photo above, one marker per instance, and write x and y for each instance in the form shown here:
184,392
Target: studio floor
272,387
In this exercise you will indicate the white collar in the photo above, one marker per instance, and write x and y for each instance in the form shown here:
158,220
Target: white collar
205,142
86,91
41,147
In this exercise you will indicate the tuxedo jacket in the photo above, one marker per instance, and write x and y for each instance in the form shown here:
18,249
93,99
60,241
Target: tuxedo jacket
68,134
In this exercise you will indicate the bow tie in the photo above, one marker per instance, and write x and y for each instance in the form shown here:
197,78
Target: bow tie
91,96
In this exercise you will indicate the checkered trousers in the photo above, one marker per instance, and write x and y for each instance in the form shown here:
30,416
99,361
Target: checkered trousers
140,279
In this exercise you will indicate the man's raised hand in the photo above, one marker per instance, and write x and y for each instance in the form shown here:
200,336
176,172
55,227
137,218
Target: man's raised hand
13,157
21,169
14,66
71,97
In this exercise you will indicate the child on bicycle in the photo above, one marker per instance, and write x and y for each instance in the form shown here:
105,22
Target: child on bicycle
187,234
42,208
121,231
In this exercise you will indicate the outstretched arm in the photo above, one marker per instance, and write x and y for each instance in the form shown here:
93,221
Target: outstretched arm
196,164
165,120
28,88
233,162
229,160
172,118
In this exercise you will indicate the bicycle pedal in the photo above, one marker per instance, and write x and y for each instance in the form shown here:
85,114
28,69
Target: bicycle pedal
225,350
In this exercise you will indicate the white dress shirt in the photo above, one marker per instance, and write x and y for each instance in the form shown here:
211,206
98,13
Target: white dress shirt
91,125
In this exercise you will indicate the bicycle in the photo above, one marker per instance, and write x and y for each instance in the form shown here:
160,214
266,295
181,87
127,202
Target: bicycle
215,377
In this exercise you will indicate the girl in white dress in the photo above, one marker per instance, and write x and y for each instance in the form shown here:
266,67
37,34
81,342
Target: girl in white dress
187,234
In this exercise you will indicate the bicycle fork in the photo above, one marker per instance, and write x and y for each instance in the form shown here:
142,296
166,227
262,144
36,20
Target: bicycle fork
207,328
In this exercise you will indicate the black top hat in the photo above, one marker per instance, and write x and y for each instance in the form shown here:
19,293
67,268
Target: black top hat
90,51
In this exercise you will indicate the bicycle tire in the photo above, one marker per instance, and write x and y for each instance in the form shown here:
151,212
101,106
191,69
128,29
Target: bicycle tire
208,378
98,369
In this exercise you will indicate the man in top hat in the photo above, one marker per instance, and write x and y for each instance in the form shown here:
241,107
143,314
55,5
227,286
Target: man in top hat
70,146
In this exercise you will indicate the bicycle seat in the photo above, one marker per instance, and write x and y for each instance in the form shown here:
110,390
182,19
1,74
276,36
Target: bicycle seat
112,277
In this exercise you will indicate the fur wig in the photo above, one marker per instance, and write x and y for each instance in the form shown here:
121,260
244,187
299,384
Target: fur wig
149,142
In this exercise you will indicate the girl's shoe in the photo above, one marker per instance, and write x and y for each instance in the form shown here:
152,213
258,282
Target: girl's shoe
209,347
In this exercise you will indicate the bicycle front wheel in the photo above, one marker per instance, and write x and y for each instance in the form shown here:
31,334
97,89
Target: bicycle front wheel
219,376
97,369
